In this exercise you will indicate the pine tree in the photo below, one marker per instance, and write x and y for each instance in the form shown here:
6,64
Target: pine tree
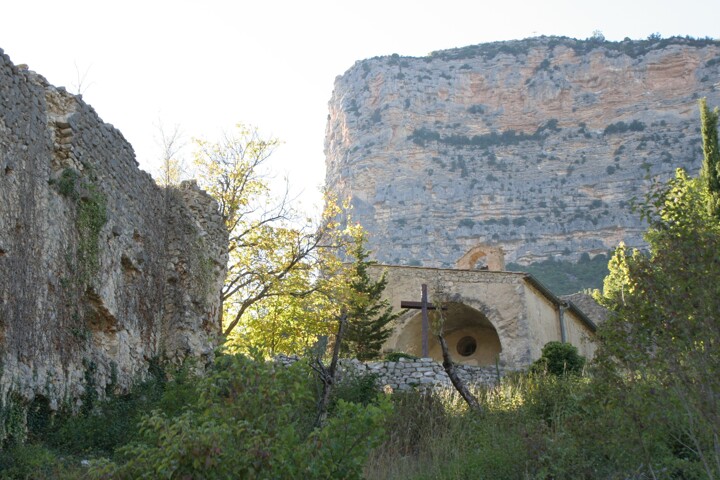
369,315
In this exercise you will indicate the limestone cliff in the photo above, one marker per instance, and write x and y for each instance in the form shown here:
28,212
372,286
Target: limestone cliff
537,146
100,269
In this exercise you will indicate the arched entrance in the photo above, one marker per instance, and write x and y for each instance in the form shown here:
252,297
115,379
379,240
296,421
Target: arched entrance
471,338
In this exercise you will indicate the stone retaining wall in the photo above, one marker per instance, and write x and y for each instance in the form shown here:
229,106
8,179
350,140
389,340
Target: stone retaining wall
408,373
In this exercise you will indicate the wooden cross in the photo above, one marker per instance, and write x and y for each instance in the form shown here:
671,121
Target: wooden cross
424,306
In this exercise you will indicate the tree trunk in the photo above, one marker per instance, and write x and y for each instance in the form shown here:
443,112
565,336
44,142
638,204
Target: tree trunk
327,375
457,382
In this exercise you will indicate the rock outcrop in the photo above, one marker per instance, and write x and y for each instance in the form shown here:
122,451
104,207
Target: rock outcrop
101,270
536,146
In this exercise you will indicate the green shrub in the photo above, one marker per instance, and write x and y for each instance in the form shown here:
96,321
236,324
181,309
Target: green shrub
622,127
416,417
466,223
396,356
109,425
559,359
355,388
35,462
65,185
476,109
432,435
252,419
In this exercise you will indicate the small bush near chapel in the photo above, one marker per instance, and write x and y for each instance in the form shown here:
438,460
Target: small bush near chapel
396,356
558,359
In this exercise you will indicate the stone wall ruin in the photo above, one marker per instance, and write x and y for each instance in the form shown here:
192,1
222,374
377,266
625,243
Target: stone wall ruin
101,270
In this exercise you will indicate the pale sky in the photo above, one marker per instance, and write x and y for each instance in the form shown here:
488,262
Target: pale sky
206,65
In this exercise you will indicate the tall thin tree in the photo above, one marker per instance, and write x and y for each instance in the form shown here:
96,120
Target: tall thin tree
711,157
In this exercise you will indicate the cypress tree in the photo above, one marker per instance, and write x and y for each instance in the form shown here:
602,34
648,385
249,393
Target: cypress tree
711,157
369,315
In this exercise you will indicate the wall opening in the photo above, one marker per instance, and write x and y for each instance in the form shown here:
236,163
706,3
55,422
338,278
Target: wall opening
471,337
466,346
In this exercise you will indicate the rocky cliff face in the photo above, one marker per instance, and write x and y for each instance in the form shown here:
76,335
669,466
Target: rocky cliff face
536,146
100,269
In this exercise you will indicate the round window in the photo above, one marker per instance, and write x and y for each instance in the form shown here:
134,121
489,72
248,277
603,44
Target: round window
466,346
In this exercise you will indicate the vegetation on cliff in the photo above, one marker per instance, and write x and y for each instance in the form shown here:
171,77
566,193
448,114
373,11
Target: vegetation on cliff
565,277
632,48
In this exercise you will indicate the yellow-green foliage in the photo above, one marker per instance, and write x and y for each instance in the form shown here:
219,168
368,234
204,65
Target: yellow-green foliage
280,268
659,354
711,161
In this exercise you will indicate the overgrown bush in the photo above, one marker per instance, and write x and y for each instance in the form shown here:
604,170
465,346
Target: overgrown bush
107,425
36,462
396,356
252,419
354,387
559,358
433,435
536,427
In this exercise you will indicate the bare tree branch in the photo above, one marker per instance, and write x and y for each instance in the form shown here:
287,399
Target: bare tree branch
266,247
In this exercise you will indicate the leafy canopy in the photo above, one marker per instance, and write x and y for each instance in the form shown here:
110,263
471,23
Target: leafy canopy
664,327
274,258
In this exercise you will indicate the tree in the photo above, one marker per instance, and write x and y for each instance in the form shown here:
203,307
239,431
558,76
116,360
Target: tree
269,254
81,85
711,157
171,167
663,335
597,36
286,324
369,315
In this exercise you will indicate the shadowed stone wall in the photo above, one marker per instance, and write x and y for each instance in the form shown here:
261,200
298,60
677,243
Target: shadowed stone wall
100,269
